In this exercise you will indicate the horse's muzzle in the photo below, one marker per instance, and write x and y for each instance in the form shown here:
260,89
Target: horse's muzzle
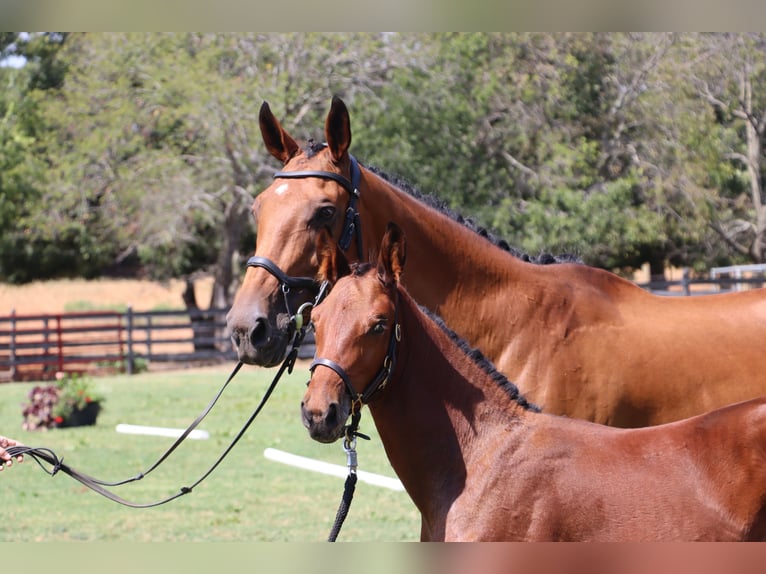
260,343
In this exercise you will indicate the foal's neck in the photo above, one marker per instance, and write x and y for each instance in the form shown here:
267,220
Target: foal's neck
437,404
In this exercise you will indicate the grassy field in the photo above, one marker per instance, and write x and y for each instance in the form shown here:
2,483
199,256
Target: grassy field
247,499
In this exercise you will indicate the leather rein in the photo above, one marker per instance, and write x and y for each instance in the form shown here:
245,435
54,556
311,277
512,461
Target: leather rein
43,455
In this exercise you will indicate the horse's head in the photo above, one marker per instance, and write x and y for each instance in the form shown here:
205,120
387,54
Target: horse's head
356,335
312,192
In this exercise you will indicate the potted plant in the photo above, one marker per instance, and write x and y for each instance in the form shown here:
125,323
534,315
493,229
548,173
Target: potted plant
69,402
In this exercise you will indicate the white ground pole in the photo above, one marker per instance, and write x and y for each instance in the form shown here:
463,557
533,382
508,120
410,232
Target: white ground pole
196,434
331,469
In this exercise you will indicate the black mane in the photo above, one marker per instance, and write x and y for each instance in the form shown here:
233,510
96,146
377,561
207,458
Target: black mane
313,147
442,207
486,365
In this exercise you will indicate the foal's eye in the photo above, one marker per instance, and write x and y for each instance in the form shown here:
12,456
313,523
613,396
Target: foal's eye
378,328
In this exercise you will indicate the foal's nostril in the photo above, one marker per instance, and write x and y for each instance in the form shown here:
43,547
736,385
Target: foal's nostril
259,334
331,419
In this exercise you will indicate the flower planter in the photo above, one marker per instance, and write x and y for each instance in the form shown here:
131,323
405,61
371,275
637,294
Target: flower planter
82,417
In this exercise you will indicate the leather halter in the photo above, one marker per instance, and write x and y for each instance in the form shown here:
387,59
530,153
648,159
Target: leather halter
381,378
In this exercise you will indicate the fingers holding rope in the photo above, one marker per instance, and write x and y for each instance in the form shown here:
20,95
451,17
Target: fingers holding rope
6,459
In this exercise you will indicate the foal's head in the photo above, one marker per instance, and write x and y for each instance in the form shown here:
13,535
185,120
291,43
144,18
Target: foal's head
356,332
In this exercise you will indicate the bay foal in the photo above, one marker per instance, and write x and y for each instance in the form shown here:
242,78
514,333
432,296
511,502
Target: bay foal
480,463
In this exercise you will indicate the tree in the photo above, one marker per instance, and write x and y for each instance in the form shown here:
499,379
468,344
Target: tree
729,73
547,139
156,152
23,165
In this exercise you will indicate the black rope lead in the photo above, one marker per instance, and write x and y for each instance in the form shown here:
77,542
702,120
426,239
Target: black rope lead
345,505
349,446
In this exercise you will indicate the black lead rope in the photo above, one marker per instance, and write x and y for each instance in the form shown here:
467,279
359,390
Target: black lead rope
349,445
43,455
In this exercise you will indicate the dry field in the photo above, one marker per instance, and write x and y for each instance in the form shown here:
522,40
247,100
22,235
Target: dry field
99,294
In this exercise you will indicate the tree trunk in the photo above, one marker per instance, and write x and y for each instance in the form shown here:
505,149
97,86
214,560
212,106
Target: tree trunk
235,224
754,130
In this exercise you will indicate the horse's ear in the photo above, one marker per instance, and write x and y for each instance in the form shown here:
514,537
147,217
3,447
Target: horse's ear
393,254
279,143
332,262
337,129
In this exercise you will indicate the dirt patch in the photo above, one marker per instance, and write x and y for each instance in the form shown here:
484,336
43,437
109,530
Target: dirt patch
100,294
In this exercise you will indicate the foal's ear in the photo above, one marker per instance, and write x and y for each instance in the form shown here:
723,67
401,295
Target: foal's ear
393,253
332,262
279,143
337,129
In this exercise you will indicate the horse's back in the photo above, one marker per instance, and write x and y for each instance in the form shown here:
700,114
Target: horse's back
618,355
703,478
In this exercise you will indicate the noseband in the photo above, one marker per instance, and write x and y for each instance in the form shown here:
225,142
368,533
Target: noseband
379,381
351,226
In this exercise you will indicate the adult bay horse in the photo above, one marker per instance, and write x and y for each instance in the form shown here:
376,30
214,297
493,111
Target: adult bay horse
481,463
578,341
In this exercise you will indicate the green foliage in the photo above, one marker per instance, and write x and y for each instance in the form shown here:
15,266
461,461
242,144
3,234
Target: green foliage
53,405
144,148
76,391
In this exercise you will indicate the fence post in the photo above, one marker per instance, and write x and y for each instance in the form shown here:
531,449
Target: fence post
130,366
13,344
59,344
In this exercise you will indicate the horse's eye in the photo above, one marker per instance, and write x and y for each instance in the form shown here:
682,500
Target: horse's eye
324,215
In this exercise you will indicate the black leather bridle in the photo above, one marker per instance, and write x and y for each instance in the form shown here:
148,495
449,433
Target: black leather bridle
351,222
351,227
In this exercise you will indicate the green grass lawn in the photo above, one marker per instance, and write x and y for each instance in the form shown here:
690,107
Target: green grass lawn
247,498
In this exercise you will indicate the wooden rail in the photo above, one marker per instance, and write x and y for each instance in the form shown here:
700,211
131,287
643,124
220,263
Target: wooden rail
38,346
688,287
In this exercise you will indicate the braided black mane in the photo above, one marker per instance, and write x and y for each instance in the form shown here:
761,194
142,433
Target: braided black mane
486,365
442,207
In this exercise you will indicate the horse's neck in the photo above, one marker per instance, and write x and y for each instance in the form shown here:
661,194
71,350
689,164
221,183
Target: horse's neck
451,269
432,414
436,243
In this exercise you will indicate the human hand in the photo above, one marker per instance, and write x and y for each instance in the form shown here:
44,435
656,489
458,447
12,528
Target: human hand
5,458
